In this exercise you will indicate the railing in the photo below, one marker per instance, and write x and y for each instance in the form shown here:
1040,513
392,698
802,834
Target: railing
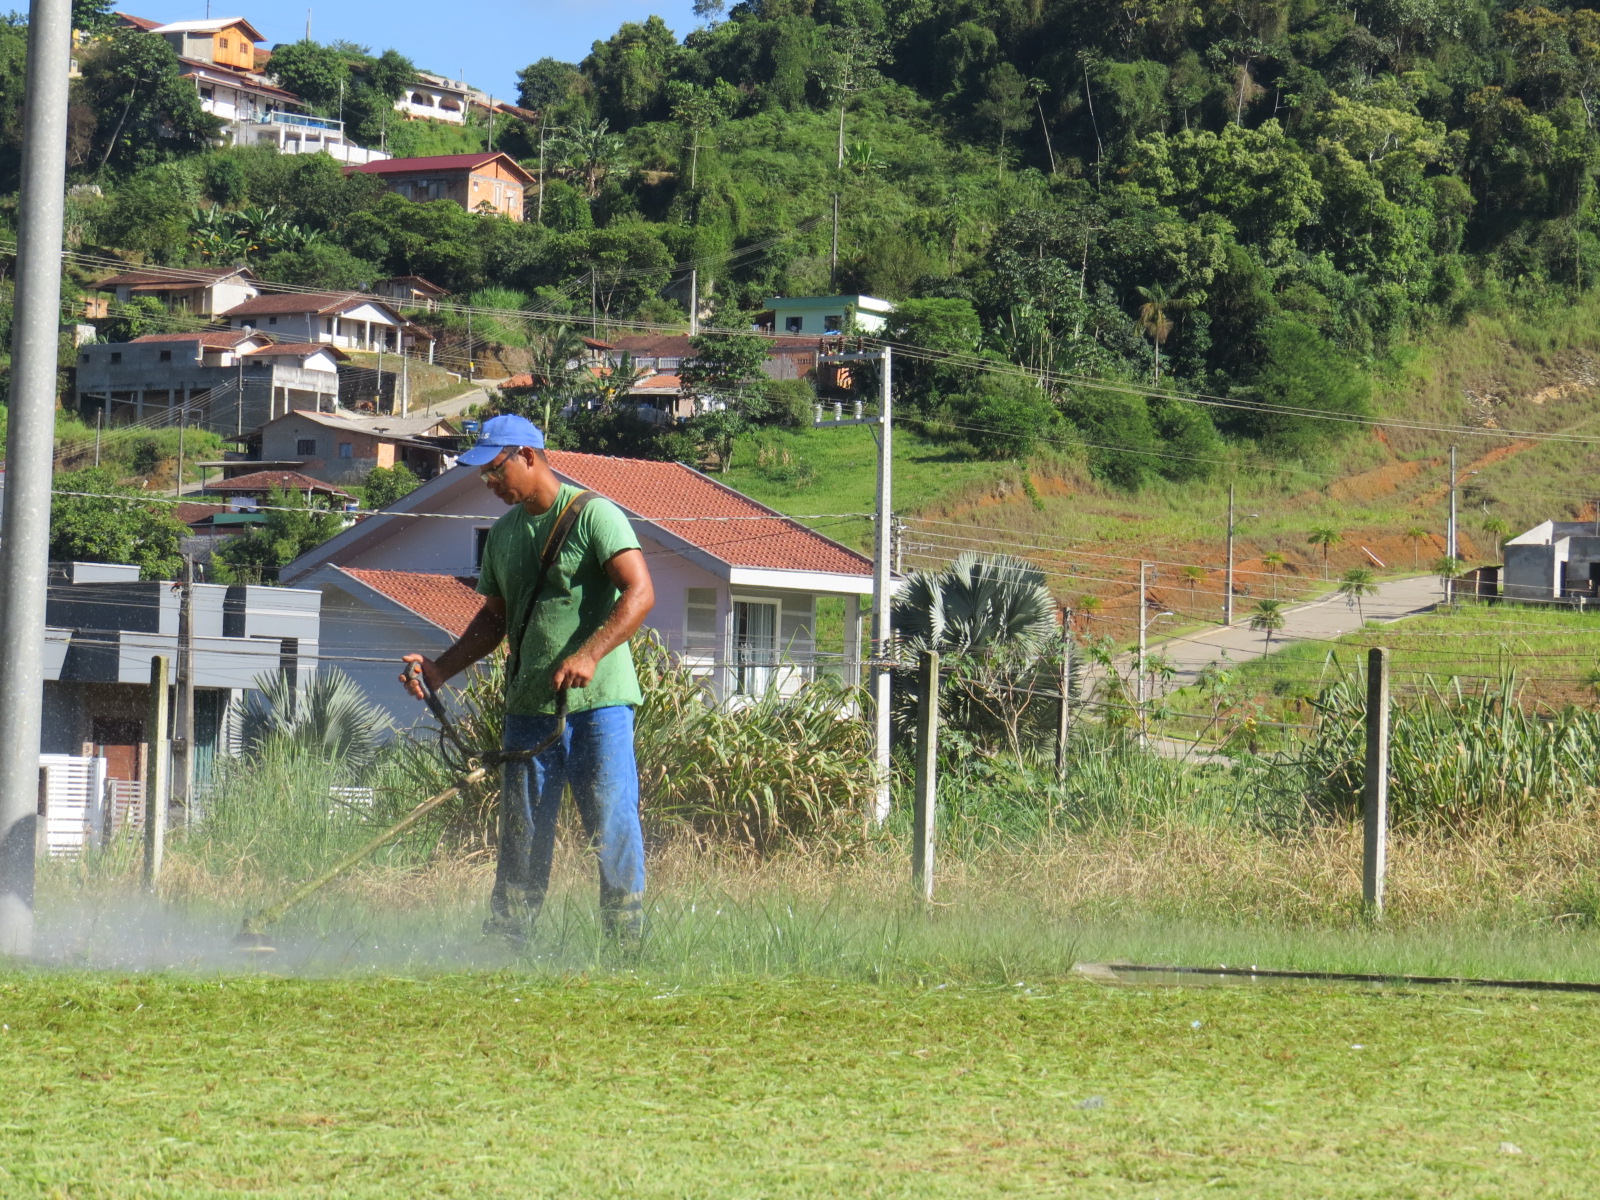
295,119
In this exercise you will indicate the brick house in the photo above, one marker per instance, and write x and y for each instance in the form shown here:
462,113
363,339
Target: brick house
489,182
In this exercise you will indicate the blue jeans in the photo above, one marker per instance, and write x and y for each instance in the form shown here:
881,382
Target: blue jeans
596,760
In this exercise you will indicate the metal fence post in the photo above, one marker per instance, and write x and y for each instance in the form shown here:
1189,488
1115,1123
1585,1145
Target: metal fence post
158,773
924,812
1375,790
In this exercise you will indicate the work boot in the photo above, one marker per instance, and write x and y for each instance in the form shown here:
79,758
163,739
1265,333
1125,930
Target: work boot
622,918
512,913
512,931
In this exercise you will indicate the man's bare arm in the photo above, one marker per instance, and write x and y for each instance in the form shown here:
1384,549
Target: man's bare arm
482,635
632,578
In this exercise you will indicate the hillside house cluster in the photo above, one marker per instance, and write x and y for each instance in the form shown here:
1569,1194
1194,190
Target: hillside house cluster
489,182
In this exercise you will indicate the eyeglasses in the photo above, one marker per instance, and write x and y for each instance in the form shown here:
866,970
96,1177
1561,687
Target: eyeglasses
497,469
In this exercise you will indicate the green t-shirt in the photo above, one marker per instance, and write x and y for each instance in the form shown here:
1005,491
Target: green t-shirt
578,597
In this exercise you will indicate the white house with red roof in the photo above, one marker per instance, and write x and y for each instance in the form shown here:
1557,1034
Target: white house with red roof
350,320
198,291
740,588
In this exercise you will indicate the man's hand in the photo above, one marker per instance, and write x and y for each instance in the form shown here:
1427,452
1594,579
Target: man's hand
576,671
430,672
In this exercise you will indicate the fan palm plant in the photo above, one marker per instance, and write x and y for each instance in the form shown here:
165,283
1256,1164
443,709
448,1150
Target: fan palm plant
992,618
328,717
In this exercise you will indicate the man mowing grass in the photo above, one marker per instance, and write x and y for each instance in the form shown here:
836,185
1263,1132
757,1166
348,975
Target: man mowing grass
563,574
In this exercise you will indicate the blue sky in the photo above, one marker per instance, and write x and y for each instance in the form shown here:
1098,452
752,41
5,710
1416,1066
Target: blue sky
488,39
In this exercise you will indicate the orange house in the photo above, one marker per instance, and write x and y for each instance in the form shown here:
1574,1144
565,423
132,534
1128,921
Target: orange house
225,41
489,182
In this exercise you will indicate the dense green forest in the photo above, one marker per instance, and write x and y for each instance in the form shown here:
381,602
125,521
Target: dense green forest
1248,199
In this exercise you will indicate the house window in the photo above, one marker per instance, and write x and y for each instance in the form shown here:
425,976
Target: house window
116,356
793,324
327,324
832,324
347,450
305,446
480,539
755,645
223,42
207,93
669,364
272,320
646,364
700,622
166,356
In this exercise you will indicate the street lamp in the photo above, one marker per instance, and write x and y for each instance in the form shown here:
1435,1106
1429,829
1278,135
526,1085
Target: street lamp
1227,600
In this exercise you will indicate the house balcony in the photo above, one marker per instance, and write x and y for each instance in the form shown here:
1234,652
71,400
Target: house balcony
296,133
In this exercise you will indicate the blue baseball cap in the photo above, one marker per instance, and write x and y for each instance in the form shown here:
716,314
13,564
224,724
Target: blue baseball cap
500,433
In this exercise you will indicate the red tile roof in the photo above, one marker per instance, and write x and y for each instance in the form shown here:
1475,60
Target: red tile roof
657,490
177,276
449,601
438,162
190,513
261,482
297,349
138,22
306,302
658,383
221,339
654,345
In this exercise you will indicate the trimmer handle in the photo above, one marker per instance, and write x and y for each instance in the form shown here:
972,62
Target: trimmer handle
416,678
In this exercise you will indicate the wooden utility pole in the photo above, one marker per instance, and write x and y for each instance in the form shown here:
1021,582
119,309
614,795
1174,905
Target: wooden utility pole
1375,789
158,764
925,808
1064,703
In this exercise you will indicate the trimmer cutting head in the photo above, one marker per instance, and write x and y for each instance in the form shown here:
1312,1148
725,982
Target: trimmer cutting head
250,940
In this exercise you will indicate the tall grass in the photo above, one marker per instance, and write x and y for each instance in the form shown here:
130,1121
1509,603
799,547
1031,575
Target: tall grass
1455,756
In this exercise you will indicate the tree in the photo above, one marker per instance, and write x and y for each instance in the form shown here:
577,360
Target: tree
699,110
145,112
292,526
319,75
1194,575
1154,316
1006,416
723,366
1416,533
1302,393
1449,570
1267,618
545,84
1272,560
385,485
1358,583
111,523
629,71
1004,105
1327,537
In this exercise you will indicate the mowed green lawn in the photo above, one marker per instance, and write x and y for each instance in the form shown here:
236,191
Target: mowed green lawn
495,1084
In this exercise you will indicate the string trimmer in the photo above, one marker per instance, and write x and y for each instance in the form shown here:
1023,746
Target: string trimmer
475,769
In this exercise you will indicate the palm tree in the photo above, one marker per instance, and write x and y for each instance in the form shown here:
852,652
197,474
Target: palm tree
1268,617
1327,537
1088,607
1272,560
1448,570
329,717
1358,583
1154,316
1194,575
1496,528
1416,533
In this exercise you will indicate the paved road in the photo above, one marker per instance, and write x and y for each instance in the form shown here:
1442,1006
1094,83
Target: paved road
1327,618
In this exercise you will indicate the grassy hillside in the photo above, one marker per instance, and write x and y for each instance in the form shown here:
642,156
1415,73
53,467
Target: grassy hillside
1537,372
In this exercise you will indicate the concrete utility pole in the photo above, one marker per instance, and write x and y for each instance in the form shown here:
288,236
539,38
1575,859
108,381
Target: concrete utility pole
1138,683
25,530
694,302
183,709
1450,530
1375,787
158,773
882,556
1227,598
924,816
